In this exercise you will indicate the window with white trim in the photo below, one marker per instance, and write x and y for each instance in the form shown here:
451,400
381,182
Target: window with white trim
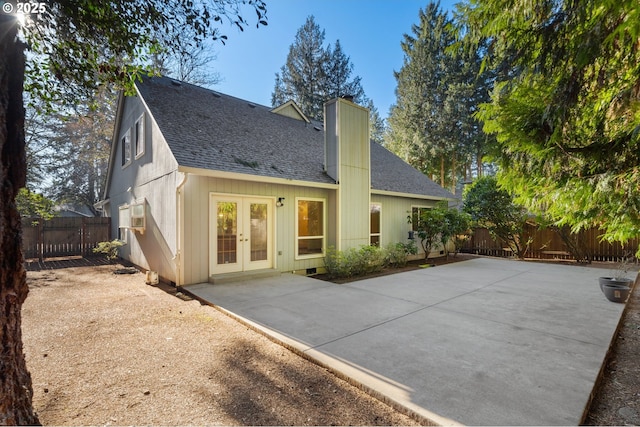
310,230
374,221
138,136
124,221
125,147
416,213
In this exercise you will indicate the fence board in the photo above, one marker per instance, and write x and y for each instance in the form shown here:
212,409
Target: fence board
548,244
60,237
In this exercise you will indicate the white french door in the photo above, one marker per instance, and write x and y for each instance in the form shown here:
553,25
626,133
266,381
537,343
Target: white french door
241,236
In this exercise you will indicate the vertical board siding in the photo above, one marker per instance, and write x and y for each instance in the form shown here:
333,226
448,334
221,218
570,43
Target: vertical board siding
197,222
394,227
62,237
354,174
152,177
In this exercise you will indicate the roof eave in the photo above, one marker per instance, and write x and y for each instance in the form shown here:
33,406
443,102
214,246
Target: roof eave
255,178
410,195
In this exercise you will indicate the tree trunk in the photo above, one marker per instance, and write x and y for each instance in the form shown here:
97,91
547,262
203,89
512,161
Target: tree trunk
442,180
16,391
453,173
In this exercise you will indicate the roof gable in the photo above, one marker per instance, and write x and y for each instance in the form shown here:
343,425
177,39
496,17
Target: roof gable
291,109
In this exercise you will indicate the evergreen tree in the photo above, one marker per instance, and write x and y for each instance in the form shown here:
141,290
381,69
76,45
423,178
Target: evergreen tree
314,74
338,69
566,115
79,154
377,126
301,79
432,125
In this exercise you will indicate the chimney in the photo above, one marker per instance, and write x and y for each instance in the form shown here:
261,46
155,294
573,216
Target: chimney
348,162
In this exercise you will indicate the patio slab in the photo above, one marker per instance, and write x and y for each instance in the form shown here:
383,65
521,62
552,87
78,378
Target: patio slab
480,342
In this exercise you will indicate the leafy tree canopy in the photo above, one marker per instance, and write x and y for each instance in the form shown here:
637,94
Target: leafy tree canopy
566,107
32,204
493,208
78,45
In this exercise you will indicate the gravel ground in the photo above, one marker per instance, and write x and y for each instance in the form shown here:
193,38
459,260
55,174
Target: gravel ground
107,349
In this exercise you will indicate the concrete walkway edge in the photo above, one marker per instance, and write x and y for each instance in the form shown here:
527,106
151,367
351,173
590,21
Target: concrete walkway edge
367,383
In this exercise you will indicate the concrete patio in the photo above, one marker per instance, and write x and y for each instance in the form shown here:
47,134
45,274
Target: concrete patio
480,342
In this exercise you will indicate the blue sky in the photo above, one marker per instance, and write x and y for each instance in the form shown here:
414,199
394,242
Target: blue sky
370,32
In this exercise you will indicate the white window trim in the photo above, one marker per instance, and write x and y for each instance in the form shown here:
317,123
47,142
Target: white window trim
126,218
418,207
141,136
324,228
379,234
126,136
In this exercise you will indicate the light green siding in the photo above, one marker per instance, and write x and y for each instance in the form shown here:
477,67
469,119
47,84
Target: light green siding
197,218
347,155
394,226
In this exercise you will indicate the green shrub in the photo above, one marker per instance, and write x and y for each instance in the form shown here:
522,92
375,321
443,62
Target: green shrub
370,259
354,261
397,255
110,249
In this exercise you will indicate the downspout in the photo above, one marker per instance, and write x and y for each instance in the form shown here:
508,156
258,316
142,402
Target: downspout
179,230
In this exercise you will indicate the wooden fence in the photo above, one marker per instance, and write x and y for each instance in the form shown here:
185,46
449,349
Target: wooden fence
547,243
61,237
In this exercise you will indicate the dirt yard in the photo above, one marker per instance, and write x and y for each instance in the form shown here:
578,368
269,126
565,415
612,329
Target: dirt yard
108,349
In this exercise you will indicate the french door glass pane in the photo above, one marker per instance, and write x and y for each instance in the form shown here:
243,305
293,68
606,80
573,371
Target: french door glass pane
258,231
227,232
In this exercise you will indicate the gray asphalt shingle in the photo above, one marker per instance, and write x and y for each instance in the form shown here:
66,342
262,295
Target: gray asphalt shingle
209,130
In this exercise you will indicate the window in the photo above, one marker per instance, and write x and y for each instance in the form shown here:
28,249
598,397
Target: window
310,234
138,136
374,238
416,212
125,146
123,222
124,217
132,216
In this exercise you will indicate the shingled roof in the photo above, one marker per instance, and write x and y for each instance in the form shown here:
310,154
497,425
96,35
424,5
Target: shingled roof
208,130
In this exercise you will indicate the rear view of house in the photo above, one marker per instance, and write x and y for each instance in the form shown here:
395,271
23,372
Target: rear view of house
201,184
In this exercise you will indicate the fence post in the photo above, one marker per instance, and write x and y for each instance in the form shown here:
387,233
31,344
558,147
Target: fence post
83,233
40,240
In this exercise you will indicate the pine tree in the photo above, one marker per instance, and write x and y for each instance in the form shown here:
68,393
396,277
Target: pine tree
377,126
314,74
302,77
431,125
338,69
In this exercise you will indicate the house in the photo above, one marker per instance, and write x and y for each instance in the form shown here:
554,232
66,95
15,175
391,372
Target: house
201,184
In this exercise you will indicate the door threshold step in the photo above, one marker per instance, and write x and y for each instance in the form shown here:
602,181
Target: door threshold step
243,276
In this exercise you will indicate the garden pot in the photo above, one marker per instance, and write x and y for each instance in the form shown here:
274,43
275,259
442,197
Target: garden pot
615,281
616,293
